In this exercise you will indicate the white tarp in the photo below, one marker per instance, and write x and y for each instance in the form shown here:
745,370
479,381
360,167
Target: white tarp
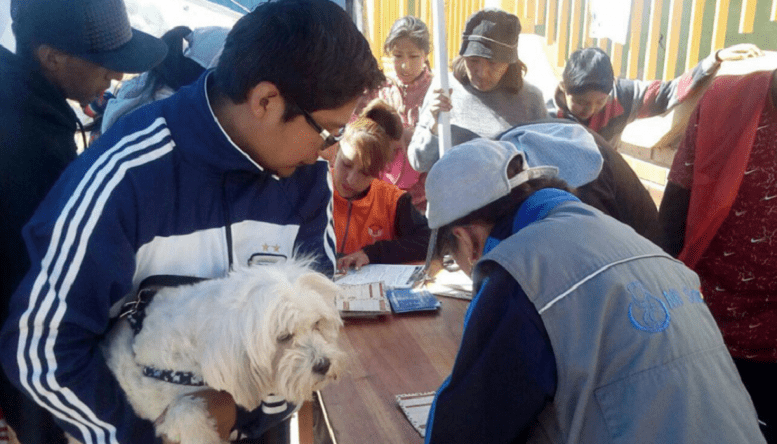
152,16
6,36
610,19
157,17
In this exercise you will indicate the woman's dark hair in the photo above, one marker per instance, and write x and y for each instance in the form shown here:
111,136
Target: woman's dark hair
309,49
512,80
499,209
412,28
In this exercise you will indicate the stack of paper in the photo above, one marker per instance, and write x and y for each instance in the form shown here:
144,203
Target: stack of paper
362,300
454,284
416,407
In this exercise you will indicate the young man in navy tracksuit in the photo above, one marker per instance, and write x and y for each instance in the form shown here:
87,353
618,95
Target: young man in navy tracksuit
223,174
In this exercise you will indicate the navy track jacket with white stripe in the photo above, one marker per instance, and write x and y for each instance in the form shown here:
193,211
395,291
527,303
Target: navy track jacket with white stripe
164,191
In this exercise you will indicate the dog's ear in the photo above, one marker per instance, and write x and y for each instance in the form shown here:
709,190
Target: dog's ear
232,372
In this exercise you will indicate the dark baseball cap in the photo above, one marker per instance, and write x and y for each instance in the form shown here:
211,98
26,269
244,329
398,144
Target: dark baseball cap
492,34
95,30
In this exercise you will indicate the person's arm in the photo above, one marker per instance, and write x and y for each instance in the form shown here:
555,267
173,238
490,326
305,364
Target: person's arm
316,235
423,150
673,212
412,237
631,201
504,373
651,98
82,255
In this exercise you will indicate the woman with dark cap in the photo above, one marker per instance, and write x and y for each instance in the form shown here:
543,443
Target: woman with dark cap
488,94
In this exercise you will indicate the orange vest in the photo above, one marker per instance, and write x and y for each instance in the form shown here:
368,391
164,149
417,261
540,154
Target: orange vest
364,221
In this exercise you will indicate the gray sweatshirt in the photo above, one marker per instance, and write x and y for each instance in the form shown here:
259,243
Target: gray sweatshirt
473,114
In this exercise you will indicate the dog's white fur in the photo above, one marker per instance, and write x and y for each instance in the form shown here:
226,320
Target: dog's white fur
259,331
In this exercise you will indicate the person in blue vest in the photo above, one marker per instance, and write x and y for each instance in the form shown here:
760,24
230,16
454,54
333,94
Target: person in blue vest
579,330
222,175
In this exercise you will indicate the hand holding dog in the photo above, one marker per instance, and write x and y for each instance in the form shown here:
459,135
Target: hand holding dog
221,407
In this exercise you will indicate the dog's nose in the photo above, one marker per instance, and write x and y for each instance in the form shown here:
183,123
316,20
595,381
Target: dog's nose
322,366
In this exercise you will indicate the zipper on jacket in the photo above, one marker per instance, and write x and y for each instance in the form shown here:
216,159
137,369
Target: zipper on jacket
227,219
347,227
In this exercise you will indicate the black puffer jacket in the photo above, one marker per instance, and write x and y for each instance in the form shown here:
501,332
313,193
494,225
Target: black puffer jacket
36,143
37,128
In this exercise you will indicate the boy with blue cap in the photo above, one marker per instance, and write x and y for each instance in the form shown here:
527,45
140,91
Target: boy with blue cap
579,329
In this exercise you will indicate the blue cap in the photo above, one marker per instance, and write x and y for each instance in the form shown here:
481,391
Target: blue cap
474,174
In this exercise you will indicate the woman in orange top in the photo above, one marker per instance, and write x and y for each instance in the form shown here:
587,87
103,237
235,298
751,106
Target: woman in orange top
375,222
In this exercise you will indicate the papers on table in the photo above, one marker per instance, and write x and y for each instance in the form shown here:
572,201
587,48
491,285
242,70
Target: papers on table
365,291
392,276
416,408
454,284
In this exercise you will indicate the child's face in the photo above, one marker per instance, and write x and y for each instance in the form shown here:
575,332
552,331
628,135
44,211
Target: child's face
409,60
349,179
585,105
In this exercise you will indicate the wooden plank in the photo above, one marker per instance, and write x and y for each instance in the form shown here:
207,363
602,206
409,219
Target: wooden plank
720,25
617,58
588,41
694,34
529,13
673,38
575,25
563,32
635,31
540,18
654,34
550,22
747,18
305,424
398,354
603,44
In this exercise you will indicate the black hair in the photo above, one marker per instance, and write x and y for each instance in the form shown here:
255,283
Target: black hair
309,49
499,209
412,28
588,69
512,80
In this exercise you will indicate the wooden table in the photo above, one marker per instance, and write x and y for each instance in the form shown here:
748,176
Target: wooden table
388,356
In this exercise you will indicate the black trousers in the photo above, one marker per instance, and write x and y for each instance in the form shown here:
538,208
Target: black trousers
759,379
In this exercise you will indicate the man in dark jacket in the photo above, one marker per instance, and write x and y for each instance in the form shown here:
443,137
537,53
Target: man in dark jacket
64,50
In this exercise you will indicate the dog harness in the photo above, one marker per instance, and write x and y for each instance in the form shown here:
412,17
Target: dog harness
135,312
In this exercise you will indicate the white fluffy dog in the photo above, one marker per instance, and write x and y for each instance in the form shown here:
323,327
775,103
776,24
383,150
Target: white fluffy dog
268,329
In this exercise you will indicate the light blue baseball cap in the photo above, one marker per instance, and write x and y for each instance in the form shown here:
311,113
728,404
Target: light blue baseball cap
474,174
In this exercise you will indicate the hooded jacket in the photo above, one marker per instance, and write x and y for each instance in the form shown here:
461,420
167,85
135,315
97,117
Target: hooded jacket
165,191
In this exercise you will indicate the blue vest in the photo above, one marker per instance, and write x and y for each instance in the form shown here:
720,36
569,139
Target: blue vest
639,357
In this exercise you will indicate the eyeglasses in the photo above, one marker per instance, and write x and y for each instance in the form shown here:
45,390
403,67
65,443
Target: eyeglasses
329,138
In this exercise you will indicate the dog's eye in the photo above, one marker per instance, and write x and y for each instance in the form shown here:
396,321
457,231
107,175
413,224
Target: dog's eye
284,337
